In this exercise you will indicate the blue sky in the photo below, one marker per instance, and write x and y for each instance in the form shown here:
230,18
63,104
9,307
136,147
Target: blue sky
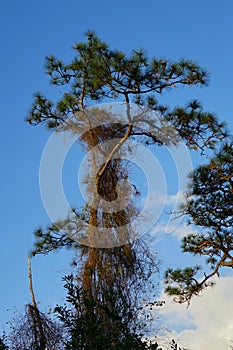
200,30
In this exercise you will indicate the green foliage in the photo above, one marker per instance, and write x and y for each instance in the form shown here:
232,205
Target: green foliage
182,284
98,72
94,325
209,206
91,325
201,129
2,344
62,233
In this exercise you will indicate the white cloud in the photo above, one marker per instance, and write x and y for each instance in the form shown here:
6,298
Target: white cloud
175,228
158,198
175,199
208,322
164,209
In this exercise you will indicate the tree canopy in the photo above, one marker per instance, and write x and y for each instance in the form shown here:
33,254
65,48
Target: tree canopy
209,207
97,72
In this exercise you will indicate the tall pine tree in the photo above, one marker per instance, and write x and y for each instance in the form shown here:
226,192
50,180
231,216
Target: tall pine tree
98,73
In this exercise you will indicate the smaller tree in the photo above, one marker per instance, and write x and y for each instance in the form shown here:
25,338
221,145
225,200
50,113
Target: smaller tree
209,206
25,334
34,330
109,329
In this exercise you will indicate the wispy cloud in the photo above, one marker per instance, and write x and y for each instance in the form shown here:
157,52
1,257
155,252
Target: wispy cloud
208,322
166,209
179,230
157,198
175,199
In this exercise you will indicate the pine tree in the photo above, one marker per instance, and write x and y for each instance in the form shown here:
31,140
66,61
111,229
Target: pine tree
98,73
209,207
